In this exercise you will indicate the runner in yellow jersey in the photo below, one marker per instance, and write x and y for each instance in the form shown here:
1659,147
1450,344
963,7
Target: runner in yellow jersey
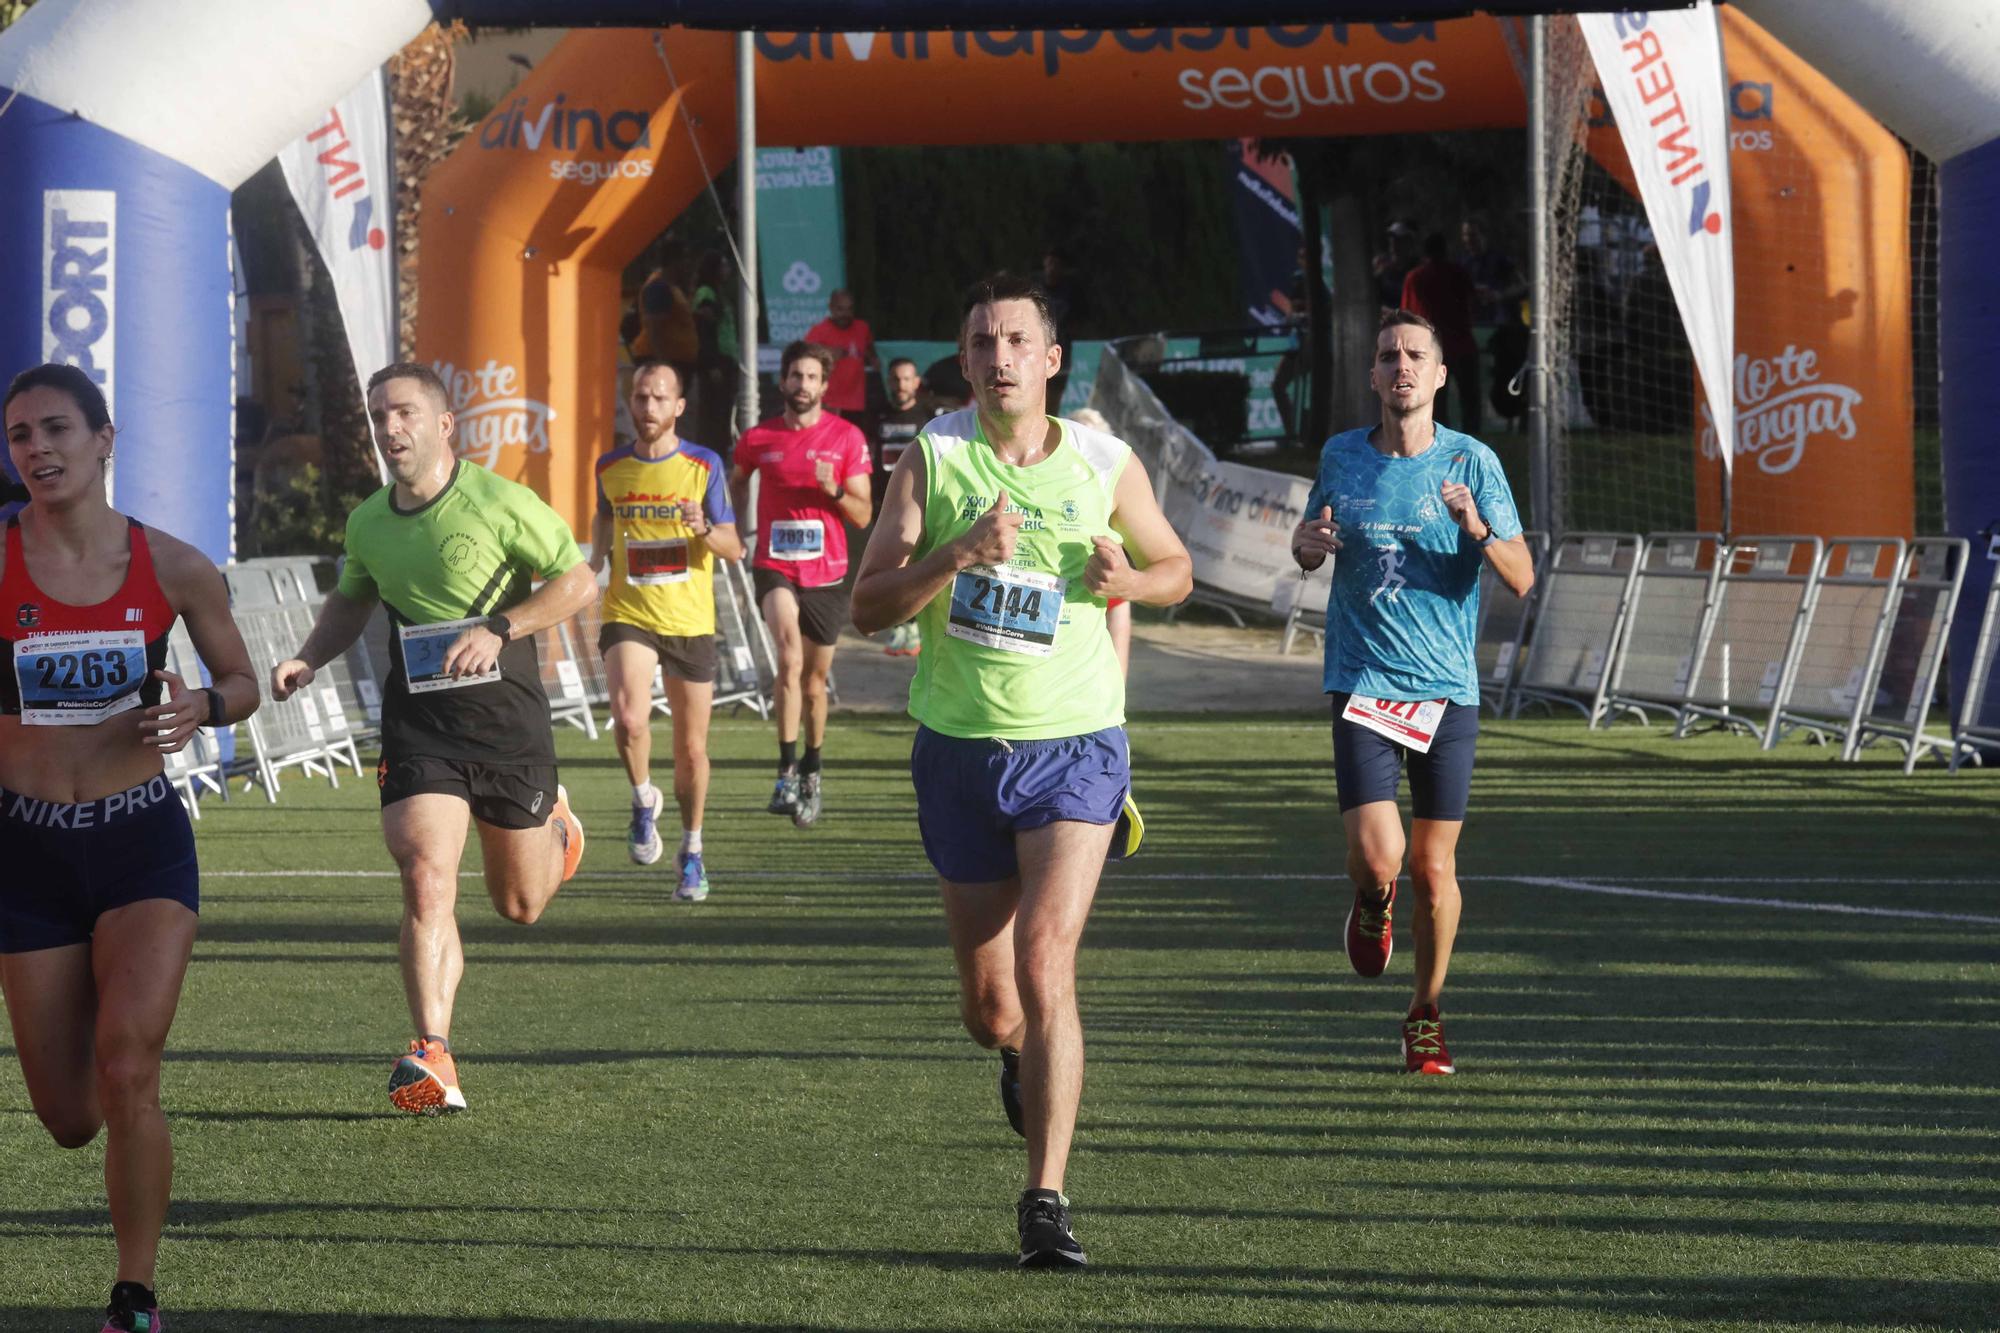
1003,533
663,515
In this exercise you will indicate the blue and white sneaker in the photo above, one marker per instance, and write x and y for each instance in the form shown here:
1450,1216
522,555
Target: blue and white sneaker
642,840
694,879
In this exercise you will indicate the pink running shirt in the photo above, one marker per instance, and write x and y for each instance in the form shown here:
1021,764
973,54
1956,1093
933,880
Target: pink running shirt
800,532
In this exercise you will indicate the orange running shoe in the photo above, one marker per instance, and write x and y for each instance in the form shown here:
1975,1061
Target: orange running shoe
425,1081
570,830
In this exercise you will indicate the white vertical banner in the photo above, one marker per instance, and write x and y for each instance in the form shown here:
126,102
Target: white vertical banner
339,174
1663,78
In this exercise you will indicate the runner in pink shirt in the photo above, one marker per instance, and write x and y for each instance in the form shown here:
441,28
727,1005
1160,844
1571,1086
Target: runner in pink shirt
852,343
812,471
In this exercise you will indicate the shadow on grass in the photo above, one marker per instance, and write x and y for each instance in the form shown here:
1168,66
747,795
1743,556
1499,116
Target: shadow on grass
33,1319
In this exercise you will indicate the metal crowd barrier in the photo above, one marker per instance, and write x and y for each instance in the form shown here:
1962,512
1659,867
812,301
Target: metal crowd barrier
1979,715
1898,707
1504,625
197,766
1579,613
291,734
1666,625
1763,602
1847,628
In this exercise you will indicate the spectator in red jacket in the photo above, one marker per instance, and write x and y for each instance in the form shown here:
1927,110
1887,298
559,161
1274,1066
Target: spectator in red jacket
1442,292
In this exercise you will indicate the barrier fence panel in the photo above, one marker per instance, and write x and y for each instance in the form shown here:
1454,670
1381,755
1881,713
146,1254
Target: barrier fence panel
1579,612
282,735
1763,600
1666,624
198,764
1979,716
1503,626
1845,630
1905,679
746,659
563,661
1301,600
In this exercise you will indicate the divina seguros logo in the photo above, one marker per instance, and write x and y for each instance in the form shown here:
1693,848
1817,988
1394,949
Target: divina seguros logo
1651,73
570,132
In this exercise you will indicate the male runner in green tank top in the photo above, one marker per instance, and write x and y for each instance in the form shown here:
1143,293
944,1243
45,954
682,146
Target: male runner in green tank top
450,550
1003,532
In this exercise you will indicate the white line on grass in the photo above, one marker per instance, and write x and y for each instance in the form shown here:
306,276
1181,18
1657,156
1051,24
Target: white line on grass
1728,900
1535,881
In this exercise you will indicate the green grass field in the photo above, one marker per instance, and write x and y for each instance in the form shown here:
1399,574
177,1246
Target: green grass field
1690,1094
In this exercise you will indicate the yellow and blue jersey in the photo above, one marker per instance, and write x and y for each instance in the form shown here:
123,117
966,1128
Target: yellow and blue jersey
662,575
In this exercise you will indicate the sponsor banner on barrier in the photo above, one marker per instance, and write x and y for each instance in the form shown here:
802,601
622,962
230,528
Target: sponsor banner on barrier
339,174
1237,524
800,255
1662,75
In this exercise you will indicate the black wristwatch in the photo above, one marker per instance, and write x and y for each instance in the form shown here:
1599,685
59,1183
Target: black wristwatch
500,627
214,707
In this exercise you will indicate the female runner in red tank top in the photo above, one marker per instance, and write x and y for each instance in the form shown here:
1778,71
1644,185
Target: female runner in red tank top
97,910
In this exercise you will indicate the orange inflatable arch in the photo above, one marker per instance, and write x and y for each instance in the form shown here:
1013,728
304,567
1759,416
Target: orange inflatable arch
528,226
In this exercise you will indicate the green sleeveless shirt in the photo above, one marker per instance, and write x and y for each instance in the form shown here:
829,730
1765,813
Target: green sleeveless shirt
1018,652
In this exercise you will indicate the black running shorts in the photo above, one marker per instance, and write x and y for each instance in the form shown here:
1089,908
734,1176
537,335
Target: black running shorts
822,611
503,795
689,657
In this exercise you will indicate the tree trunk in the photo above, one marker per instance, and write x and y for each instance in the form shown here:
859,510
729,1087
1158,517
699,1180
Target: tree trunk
1356,317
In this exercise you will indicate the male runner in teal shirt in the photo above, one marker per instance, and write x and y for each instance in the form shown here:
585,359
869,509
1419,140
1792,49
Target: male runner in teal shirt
1414,509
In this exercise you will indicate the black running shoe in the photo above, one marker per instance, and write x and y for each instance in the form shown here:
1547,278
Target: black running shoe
133,1309
1046,1240
1010,1089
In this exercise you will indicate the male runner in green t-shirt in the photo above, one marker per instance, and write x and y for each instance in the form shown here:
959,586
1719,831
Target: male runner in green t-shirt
450,550
1004,531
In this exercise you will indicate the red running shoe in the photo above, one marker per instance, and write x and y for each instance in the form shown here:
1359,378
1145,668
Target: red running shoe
1423,1043
1369,938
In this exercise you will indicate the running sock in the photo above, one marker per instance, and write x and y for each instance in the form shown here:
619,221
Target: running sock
809,764
444,1042
788,755
643,792
691,842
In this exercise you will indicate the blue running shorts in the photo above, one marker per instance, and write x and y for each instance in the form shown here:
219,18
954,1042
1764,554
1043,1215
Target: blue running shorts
67,865
973,796
1367,765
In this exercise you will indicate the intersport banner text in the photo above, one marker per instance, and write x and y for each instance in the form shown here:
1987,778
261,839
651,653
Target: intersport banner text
1662,75
339,174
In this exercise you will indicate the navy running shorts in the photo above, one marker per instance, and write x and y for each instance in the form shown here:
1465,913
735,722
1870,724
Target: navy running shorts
69,864
1367,764
973,796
